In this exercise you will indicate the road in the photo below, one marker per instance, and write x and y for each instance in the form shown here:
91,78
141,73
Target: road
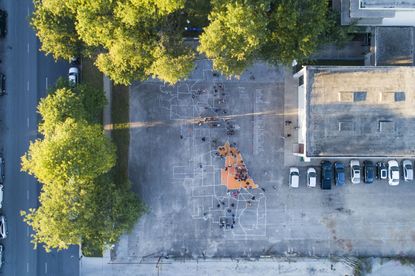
29,73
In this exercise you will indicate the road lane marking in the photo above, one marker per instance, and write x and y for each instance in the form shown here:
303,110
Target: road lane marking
27,231
46,268
46,83
28,123
27,267
27,194
28,11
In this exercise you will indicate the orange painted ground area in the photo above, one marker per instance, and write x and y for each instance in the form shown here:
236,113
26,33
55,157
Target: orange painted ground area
235,174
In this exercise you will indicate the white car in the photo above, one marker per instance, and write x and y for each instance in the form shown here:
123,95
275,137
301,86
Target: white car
3,229
408,170
311,177
393,172
355,171
294,177
73,76
1,196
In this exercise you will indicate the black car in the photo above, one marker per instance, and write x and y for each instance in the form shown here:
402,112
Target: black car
3,24
382,170
326,175
368,171
2,84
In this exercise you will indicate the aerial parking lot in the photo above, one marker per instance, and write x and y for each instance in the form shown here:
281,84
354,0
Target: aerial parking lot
174,166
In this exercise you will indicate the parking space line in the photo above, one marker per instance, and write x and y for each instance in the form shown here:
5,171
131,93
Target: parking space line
27,267
28,123
46,83
46,268
27,194
28,11
27,231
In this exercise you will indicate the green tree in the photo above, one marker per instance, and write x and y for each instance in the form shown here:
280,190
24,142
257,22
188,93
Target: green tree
76,150
233,37
122,36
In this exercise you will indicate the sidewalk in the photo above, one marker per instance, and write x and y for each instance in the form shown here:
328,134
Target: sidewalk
106,118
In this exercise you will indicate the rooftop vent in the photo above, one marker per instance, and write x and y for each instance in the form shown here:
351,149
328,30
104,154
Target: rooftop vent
386,126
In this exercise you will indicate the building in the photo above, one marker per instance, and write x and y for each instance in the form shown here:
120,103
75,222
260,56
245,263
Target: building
378,12
363,111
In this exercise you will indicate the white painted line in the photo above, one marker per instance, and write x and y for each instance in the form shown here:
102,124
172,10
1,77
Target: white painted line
27,267
28,48
46,268
27,194
46,83
27,231
28,123
27,85
28,11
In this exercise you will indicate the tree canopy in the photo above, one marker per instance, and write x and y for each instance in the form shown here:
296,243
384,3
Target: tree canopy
79,199
137,39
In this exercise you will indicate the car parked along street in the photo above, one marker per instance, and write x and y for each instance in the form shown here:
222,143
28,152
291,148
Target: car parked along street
408,170
368,171
393,172
355,171
326,175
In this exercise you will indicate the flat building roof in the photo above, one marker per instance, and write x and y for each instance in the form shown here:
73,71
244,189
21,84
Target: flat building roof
360,111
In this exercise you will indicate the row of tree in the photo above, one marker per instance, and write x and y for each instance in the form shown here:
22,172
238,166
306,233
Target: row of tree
79,201
137,39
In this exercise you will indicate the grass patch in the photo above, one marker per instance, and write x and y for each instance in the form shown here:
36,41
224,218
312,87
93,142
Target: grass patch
120,137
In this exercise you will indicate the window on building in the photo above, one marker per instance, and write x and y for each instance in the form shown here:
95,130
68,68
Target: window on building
399,96
359,96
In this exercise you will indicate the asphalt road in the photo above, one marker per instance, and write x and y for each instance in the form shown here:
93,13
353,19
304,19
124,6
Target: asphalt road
29,73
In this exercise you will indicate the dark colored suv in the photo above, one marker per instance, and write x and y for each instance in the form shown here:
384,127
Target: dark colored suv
326,175
368,171
339,174
2,84
3,23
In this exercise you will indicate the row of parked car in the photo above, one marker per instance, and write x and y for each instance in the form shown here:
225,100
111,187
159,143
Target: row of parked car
3,232
381,170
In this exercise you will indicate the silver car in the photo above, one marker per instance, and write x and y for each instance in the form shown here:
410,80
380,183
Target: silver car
311,177
355,171
3,229
408,170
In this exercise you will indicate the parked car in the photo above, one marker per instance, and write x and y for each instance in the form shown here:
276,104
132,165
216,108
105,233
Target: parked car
408,170
2,169
1,196
355,171
294,177
326,175
1,255
382,170
3,229
393,172
3,23
2,84
339,174
311,177
73,76
368,171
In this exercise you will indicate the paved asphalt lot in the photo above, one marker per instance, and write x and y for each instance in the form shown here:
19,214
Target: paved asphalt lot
176,173
28,74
